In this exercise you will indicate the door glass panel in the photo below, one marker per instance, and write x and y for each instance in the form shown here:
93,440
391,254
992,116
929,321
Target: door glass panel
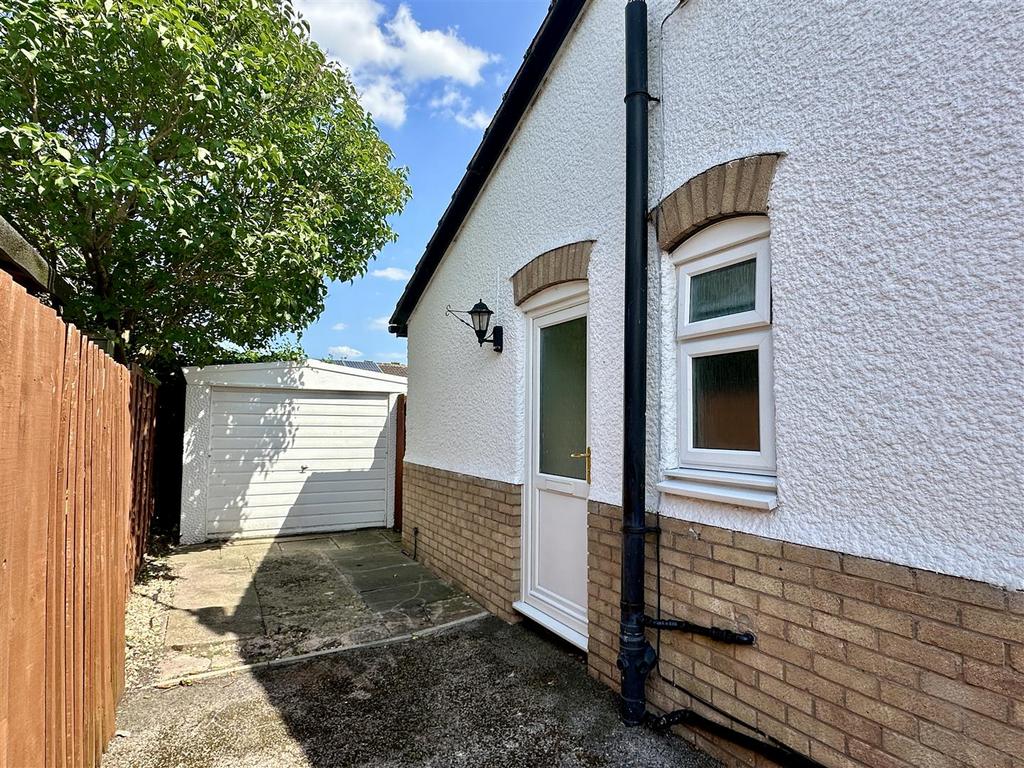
726,413
563,398
724,291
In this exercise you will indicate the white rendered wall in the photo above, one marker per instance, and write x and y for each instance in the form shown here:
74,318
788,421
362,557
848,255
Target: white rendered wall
897,254
466,405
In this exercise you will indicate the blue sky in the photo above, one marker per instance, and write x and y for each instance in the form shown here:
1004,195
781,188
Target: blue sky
432,72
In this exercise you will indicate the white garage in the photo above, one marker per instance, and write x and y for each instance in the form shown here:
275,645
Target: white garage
274,449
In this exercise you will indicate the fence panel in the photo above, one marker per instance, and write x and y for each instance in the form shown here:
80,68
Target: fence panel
143,438
76,452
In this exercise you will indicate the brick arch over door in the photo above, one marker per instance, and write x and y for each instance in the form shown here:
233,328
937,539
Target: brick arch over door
736,188
559,265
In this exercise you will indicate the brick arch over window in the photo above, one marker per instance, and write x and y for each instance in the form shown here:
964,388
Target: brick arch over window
559,265
736,188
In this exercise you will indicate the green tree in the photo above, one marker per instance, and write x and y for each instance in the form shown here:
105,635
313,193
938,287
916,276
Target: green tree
196,169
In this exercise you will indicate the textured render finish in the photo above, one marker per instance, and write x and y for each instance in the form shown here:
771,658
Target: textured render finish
896,266
895,254
311,375
857,662
468,530
731,189
559,265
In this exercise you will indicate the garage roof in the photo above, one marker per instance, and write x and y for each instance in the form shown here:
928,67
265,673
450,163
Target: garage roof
311,374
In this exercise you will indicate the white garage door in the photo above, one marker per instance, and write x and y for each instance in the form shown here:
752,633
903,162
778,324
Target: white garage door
288,461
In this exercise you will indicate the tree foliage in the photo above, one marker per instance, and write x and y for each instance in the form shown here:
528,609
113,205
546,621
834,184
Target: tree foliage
280,350
196,169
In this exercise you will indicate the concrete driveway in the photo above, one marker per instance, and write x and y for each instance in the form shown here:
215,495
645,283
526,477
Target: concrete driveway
335,663
480,694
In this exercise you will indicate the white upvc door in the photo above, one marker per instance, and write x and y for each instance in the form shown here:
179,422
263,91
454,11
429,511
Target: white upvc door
554,589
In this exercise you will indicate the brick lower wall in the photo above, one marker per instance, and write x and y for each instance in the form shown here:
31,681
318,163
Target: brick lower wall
858,662
468,532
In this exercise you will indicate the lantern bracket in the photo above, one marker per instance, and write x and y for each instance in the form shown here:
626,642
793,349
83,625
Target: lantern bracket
479,320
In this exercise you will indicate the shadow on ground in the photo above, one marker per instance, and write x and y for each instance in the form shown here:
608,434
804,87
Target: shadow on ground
480,694
252,604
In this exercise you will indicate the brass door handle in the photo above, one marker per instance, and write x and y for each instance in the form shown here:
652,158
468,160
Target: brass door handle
584,455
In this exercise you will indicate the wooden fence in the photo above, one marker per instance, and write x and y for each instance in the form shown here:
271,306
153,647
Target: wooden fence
143,443
75,429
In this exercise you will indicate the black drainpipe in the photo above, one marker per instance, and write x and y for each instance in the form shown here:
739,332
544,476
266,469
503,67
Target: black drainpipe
636,656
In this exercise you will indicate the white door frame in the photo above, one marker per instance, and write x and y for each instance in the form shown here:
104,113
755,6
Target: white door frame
557,304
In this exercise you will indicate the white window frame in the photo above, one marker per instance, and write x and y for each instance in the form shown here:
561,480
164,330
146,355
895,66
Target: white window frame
753,461
760,315
711,473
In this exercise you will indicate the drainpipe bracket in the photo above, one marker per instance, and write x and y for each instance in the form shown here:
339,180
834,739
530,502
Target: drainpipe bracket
641,529
715,633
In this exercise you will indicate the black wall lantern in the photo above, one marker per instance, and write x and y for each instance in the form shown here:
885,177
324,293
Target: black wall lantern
479,320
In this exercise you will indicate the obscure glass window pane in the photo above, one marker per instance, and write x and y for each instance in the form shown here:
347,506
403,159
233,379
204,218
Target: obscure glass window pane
725,402
563,398
724,291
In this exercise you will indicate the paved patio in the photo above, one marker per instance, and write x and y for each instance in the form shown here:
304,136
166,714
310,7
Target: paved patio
259,601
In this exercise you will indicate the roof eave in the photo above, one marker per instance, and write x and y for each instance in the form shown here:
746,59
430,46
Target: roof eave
560,19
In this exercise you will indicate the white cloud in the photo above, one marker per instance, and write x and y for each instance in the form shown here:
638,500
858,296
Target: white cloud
428,54
450,98
455,105
344,351
381,97
350,32
392,273
379,323
339,326
479,119
388,57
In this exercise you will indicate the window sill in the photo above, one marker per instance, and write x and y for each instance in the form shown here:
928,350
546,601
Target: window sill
739,488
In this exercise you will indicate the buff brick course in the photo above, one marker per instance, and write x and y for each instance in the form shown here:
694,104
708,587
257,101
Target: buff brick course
469,532
858,662
559,265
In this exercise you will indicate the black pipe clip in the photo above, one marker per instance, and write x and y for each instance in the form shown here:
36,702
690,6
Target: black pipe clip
715,633
641,529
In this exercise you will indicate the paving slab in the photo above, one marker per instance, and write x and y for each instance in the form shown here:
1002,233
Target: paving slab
408,595
240,603
189,628
209,588
378,578
353,539
315,597
298,572
368,557
325,543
